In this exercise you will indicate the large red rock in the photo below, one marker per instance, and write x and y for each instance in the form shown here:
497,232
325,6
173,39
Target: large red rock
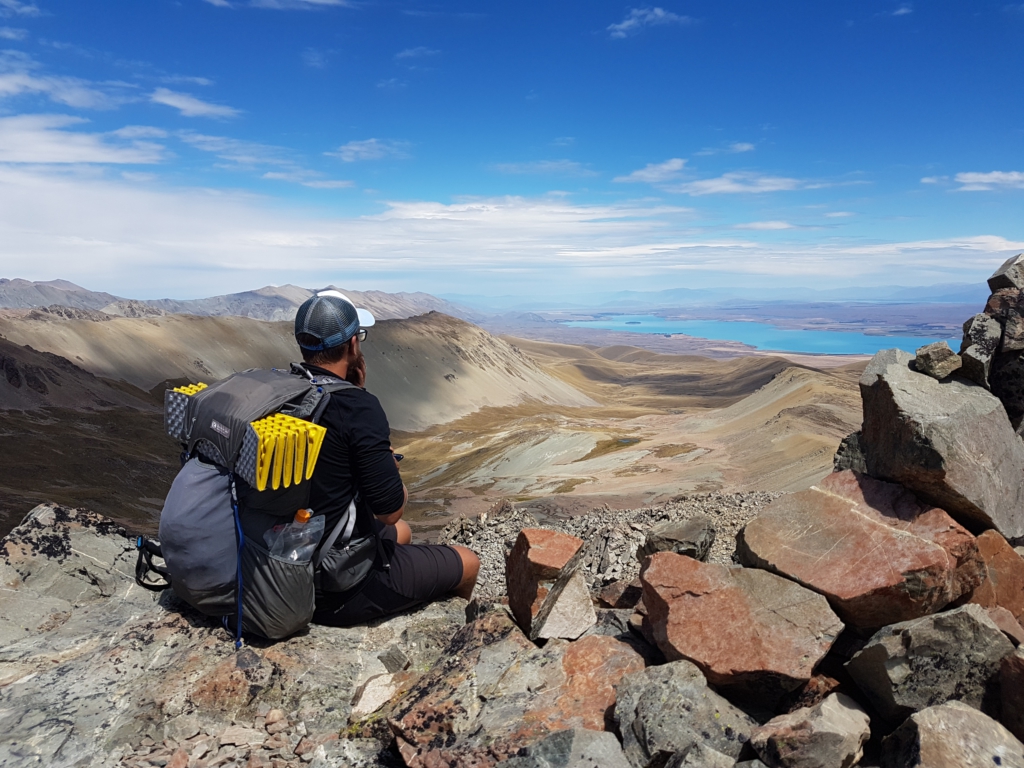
1003,585
746,629
536,560
494,693
872,548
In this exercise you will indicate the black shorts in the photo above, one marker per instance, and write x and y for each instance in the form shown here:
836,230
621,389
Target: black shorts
419,574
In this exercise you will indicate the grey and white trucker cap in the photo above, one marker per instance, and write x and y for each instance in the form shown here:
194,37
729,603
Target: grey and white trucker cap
330,317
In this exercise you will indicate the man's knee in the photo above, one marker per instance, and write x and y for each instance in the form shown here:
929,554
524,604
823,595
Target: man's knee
470,570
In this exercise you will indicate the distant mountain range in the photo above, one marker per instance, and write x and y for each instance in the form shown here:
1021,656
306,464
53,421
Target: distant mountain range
627,301
269,303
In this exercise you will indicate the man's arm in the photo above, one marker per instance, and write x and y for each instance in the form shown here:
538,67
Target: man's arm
379,480
394,517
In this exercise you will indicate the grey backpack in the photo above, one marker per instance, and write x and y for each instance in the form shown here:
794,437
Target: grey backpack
250,443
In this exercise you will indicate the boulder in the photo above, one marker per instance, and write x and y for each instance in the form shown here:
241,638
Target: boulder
567,610
536,561
700,756
937,360
1005,620
850,454
1003,569
493,692
766,635
669,709
982,335
574,748
828,735
949,442
872,548
92,667
929,661
692,537
951,735
1007,383
1011,688
1009,275
622,594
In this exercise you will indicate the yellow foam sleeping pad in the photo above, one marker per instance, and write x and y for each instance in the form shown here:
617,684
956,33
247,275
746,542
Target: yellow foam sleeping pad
190,389
287,452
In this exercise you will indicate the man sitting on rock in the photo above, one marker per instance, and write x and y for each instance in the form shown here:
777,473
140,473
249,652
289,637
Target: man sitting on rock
357,458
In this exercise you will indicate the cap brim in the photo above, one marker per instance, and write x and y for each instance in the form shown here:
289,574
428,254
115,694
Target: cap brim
365,318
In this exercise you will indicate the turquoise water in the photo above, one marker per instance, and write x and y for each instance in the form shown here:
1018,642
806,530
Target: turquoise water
761,335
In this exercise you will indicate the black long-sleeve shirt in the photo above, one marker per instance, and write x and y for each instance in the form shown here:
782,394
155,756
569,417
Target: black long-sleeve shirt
355,456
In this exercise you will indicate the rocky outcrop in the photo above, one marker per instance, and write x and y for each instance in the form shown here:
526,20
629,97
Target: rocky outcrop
693,538
94,669
574,748
982,335
1011,688
937,360
669,710
949,442
537,559
767,635
828,735
494,692
925,662
951,735
872,548
1003,582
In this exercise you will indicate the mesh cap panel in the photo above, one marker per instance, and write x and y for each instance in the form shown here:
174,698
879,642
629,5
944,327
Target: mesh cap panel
330,319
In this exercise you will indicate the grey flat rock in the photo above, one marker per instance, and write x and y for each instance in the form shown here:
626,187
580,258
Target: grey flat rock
949,442
692,537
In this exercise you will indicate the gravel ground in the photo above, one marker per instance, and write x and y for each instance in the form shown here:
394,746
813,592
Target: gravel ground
611,537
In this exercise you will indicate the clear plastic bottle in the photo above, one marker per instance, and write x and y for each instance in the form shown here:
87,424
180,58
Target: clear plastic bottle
297,540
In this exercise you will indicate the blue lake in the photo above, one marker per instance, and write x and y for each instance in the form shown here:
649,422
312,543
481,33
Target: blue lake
761,335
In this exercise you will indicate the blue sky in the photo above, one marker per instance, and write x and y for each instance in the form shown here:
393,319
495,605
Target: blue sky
190,147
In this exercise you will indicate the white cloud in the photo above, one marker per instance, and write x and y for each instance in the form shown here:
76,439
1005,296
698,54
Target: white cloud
307,179
141,239
391,83
545,168
172,79
766,226
315,58
371,149
19,75
18,8
10,33
638,18
934,179
416,53
741,146
190,106
563,141
985,182
903,10
220,3
246,154
300,5
839,214
40,139
140,132
655,173
737,183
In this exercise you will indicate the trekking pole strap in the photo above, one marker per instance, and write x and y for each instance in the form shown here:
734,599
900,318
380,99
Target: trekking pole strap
144,565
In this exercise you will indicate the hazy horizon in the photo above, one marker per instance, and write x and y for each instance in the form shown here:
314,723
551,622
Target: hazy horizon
191,148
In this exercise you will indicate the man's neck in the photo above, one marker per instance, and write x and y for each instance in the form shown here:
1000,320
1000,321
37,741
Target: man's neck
339,369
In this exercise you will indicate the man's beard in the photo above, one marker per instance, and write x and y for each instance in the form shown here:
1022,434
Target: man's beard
354,370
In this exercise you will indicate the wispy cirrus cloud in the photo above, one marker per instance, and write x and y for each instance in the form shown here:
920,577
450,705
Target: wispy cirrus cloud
69,91
308,179
43,139
315,58
18,8
544,168
765,226
188,79
987,182
740,182
371,149
903,10
283,5
655,173
419,52
839,214
11,33
734,148
190,106
639,18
